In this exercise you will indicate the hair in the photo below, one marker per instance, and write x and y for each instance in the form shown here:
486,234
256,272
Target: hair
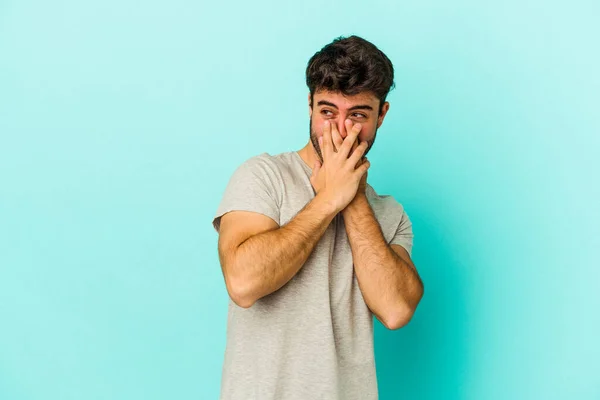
350,65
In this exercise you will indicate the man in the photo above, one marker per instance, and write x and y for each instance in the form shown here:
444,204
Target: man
309,255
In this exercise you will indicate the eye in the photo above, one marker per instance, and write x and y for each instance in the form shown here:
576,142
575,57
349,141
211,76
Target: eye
325,111
362,115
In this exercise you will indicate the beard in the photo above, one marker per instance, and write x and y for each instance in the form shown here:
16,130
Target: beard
315,141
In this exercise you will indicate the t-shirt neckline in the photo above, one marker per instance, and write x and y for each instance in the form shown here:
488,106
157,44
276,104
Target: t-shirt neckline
304,164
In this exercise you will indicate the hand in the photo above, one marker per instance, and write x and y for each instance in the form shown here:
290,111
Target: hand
362,184
338,140
338,178
337,143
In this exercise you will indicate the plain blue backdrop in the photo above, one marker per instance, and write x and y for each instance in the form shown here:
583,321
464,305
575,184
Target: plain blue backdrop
122,121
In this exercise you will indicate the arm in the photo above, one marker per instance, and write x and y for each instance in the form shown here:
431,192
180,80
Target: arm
259,264
388,281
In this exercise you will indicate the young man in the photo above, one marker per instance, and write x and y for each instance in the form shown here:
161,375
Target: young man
310,252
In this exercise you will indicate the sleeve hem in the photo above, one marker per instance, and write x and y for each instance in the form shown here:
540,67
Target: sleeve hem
407,246
216,222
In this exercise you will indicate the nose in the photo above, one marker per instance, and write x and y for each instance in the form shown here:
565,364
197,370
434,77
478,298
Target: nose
342,128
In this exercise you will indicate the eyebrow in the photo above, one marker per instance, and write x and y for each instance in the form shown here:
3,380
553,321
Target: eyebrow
358,107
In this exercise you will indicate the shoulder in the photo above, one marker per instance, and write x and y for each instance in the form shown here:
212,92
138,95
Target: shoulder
281,169
266,162
258,161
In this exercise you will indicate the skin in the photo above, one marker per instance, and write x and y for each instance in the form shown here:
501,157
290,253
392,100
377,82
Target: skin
258,256
387,277
338,113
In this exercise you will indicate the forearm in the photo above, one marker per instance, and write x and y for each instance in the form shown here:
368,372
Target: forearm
390,286
267,261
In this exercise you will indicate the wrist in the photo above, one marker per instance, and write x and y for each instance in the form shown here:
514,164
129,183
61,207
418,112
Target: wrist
358,202
326,204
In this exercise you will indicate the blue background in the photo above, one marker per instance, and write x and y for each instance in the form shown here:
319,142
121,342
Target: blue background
122,121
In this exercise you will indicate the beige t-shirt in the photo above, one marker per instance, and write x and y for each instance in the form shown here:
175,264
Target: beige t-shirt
313,338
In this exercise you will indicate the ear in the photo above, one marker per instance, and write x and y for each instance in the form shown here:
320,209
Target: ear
384,110
309,106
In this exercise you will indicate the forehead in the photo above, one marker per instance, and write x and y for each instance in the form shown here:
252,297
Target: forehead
343,102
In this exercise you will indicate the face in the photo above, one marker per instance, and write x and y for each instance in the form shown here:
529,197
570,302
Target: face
336,108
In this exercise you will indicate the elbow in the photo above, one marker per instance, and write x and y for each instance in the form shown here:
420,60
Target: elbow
242,302
402,315
238,288
398,318
240,293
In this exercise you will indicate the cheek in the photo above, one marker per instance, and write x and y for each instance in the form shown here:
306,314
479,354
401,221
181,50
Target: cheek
366,133
317,127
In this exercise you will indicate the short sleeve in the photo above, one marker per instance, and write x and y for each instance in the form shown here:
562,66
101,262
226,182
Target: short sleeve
252,187
404,234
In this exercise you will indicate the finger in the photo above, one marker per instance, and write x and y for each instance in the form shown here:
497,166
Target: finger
357,154
336,137
353,133
327,146
349,126
348,123
349,140
360,171
354,146
360,161
316,169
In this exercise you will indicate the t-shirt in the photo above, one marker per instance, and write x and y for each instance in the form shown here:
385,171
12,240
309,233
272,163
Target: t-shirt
312,339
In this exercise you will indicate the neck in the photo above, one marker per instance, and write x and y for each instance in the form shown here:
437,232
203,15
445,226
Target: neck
308,154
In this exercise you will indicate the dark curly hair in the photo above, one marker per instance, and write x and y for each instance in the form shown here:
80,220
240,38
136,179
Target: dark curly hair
350,65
